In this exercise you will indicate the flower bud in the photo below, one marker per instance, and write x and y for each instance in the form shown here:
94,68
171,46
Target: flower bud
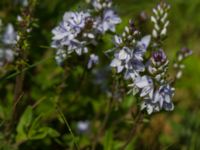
163,32
159,57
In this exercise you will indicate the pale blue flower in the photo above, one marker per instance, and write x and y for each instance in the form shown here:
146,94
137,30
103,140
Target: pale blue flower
83,126
9,39
9,36
150,106
118,41
6,56
130,59
77,46
76,20
94,59
160,99
166,92
60,56
66,33
108,22
145,85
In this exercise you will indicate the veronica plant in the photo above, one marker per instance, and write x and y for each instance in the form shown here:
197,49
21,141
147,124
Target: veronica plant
144,63
79,30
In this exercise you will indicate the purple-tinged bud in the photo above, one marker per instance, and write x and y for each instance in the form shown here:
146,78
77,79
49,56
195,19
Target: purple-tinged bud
132,26
159,57
183,53
158,65
178,64
185,50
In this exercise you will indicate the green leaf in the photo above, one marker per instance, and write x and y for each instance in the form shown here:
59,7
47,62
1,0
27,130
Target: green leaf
108,140
131,145
53,133
35,128
24,124
41,133
146,120
38,134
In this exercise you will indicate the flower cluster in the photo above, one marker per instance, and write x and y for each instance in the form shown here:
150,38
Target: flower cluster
129,53
178,64
8,40
94,59
160,21
145,64
154,88
67,32
101,5
78,30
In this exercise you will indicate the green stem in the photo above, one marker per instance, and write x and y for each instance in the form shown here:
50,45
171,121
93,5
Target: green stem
68,127
131,135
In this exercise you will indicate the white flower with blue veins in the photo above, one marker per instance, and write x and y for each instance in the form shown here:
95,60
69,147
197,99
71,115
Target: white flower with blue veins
166,92
9,39
83,126
77,46
9,36
149,106
108,22
6,56
160,99
121,59
76,20
142,46
62,35
94,59
145,85
118,41
68,35
60,56
73,23
130,59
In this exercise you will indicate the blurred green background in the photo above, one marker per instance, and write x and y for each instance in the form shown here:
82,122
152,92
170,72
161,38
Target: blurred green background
51,91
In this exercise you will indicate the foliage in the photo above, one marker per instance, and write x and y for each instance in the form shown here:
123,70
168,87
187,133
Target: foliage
72,107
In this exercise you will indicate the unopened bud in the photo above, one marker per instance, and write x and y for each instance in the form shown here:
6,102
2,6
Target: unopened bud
163,32
154,33
153,19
